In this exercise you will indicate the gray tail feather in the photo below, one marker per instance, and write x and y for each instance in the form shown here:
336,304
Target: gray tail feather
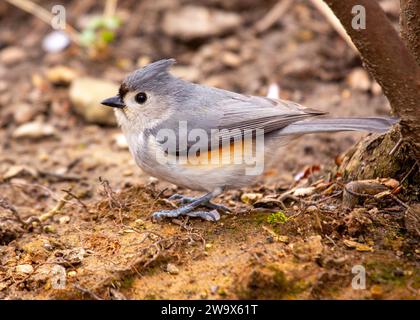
374,124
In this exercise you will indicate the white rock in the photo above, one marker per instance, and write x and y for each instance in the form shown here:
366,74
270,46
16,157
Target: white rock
55,41
191,22
24,268
34,130
86,95
64,219
172,269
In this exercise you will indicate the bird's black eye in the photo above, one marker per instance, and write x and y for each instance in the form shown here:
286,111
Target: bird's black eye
140,97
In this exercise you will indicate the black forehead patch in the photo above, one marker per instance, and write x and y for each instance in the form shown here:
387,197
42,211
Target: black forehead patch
123,91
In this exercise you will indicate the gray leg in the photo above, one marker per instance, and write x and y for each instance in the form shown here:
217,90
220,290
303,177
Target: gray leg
188,209
210,205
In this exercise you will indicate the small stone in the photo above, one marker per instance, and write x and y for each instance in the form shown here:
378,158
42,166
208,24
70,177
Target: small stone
55,41
311,209
86,95
127,173
71,274
250,198
358,79
12,55
64,219
231,59
209,245
34,130
309,249
49,229
172,269
192,22
24,268
24,113
140,222
61,75
48,246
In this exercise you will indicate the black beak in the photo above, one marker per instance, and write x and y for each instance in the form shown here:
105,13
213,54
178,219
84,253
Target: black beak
114,102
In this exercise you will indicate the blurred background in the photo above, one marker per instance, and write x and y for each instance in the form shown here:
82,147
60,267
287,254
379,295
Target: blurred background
63,159
54,132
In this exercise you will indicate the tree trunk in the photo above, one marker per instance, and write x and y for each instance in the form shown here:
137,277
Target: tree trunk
410,26
388,60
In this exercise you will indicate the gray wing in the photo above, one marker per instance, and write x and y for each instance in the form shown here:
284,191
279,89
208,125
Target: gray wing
249,113
229,115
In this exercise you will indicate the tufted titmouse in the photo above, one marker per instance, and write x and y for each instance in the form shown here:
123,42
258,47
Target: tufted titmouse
210,139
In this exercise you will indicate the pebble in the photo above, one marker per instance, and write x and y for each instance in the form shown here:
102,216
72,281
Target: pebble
172,269
71,274
24,113
358,79
192,22
12,55
87,93
24,268
34,130
231,59
61,75
55,41
311,209
64,219
250,198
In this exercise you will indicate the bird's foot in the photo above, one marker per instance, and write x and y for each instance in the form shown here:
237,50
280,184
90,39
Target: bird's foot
206,215
210,205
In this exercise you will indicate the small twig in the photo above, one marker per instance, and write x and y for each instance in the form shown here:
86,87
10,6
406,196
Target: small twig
110,8
8,206
408,173
393,196
61,203
78,200
333,20
273,15
44,15
87,291
396,147
331,240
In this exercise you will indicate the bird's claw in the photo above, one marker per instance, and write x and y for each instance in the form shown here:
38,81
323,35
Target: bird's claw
210,205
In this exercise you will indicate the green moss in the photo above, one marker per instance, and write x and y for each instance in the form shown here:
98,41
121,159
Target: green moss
278,217
383,272
127,282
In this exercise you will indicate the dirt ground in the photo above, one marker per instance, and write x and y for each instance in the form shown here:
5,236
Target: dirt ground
75,209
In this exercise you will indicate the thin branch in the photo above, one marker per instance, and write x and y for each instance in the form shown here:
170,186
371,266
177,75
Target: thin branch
44,15
333,20
273,15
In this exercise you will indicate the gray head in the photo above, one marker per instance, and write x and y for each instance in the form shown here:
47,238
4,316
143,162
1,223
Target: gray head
147,94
